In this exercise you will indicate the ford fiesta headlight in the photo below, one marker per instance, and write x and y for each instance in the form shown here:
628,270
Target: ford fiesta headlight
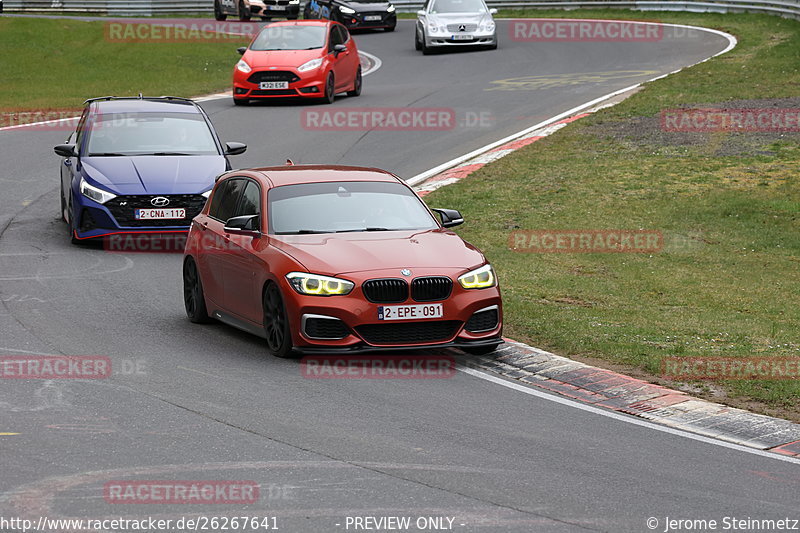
316,285
480,278
390,9
346,10
310,65
243,66
94,193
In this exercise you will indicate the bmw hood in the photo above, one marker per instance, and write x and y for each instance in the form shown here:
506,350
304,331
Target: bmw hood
342,253
154,174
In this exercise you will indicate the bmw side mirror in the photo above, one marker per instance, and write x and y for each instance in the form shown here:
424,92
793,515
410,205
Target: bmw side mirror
244,225
65,150
235,148
493,11
241,50
338,49
420,13
450,217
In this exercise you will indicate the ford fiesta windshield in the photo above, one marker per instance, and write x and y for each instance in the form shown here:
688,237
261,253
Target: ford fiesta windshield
289,38
348,206
129,134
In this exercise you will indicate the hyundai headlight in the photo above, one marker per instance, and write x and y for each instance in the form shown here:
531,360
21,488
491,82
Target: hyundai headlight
480,278
94,193
310,65
316,285
207,193
390,9
346,10
243,66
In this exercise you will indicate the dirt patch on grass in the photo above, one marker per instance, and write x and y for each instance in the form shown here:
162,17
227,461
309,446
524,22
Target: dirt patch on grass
649,133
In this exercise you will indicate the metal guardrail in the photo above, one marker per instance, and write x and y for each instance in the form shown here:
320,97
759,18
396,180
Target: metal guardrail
785,8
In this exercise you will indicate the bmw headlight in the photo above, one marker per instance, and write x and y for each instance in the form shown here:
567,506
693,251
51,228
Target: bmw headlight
390,9
243,66
480,278
316,285
346,10
94,193
310,65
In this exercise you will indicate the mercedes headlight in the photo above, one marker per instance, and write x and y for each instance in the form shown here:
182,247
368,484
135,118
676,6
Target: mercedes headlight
488,25
346,10
243,66
94,193
480,278
316,285
310,65
434,27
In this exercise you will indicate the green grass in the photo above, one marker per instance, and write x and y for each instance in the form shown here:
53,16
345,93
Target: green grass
57,64
727,282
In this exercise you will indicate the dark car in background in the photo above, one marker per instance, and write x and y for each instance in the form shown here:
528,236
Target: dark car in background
264,9
354,14
139,165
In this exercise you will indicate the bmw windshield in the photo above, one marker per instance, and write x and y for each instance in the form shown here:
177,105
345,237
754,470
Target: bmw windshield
130,134
339,207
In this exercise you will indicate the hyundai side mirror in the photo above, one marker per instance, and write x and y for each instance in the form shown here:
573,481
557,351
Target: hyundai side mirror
65,150
233,148
450,217
244,225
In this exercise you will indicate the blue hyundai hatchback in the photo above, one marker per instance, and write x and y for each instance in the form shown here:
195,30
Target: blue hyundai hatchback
139,165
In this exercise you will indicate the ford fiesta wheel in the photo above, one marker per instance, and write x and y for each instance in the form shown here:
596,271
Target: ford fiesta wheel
356,85
330,89
276,323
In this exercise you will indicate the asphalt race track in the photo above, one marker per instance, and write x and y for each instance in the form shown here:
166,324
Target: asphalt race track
190,402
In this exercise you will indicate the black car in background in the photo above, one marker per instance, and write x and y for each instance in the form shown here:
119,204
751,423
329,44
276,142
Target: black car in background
354,14
264,9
